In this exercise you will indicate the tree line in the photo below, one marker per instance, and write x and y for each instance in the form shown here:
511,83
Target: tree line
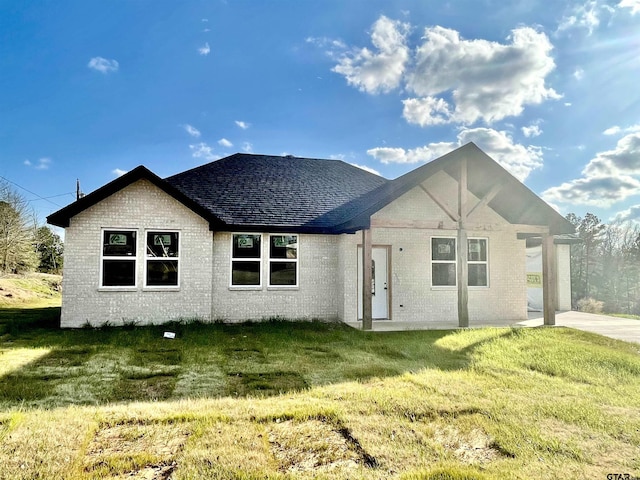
25,246
605,266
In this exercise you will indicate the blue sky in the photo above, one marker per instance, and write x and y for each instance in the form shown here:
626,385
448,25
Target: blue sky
90,89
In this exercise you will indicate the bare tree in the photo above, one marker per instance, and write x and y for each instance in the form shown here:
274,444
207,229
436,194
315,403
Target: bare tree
17,253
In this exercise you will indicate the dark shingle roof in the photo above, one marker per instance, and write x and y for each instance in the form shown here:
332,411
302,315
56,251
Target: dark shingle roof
282,193
279,194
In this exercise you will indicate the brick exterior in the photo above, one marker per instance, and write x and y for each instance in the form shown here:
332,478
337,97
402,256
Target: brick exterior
327,267
315,297
412,296
139,206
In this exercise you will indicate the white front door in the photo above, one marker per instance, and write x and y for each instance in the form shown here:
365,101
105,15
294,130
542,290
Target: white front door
380,283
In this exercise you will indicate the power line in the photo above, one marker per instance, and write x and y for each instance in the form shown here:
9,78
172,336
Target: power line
52,196
29,191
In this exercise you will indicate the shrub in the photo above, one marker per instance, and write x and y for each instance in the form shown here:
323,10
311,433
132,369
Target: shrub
590,305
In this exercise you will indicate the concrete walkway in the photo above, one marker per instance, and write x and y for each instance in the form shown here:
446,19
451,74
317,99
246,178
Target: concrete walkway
619,328
614,327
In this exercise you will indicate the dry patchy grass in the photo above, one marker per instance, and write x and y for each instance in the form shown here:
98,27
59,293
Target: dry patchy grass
283,401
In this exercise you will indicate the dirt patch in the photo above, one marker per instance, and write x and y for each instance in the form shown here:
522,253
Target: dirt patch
143,452
315,445
469,447
152,472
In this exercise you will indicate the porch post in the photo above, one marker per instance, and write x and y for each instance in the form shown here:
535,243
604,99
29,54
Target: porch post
548,280
367,284
463,282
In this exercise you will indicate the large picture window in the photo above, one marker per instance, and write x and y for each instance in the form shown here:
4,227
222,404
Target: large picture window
246,257
444,262
163,258
118,262
283,260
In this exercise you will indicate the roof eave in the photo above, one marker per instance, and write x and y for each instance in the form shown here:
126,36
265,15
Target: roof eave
62,218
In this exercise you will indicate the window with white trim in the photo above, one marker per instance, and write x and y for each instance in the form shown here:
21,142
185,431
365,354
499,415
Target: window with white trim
118,259
444,263
477,262
162,259
246,260
283,260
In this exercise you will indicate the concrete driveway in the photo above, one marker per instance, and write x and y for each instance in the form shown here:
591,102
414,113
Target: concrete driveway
614,327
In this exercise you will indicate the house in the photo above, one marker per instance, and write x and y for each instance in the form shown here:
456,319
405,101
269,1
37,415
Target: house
257,236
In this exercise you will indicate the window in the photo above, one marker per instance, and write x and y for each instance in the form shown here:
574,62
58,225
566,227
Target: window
246,260
283,260
444,262
477,262
163,257
118,258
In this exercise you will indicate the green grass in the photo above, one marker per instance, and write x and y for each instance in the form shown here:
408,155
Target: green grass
311,400
625,315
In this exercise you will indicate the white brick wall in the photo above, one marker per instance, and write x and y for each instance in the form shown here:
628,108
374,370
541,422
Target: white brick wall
316,296
139,206
412,296
327,267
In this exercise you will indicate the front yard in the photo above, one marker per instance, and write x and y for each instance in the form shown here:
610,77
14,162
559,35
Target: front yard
312,400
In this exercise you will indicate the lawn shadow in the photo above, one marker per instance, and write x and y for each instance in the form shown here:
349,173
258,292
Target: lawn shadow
209,360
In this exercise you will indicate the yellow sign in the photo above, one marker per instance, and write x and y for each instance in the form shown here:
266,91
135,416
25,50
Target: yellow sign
534,279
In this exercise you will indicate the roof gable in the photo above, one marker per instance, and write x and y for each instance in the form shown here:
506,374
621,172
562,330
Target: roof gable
62,217
514,201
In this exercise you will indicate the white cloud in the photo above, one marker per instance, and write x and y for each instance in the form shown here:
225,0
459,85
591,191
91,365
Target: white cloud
413,155
578,74
610,177
242,125
532,130
615,130
634,5
624,159
487,80
202,150
453,80
366,169
103,65
118,172
631,214
612,130
191,130
595,191
205,49
225,143
518,159
585,15
247,147
426,111
42,164
333,47
382,70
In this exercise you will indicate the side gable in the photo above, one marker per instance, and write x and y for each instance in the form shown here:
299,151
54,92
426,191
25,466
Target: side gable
62,217
487,180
